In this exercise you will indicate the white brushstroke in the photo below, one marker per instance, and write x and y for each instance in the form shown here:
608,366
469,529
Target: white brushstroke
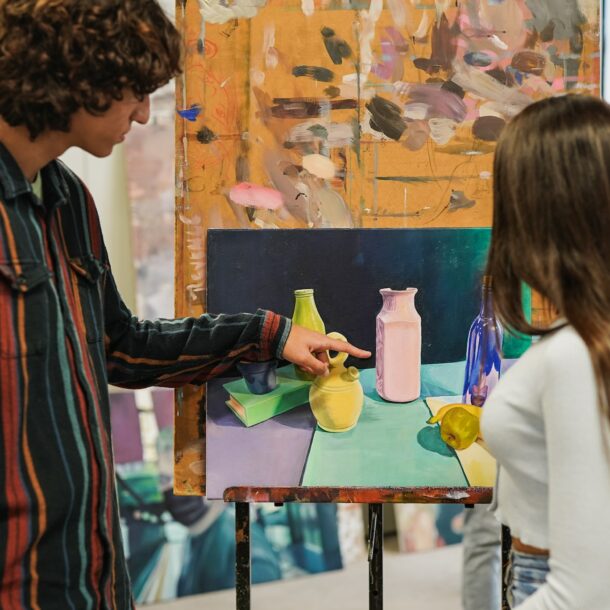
509,101
368,21
422,28
490,109
319,166
217,11
416,111
399,13
485,175
442,130
308,7
269,51
257,77
498,43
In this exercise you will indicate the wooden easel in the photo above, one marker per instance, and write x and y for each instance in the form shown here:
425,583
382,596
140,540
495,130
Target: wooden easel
374,497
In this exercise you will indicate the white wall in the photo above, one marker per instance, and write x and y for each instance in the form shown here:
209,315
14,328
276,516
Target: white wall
107,180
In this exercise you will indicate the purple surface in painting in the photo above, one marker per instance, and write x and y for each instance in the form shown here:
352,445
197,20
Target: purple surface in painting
240,456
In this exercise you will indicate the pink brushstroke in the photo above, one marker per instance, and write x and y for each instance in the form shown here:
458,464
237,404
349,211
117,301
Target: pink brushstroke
255,196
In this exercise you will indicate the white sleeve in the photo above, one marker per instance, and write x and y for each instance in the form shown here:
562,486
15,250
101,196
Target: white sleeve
579,482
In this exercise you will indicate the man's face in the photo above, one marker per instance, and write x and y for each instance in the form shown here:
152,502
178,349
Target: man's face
98,135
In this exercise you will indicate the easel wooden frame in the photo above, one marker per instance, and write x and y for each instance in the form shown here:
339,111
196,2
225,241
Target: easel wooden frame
374,497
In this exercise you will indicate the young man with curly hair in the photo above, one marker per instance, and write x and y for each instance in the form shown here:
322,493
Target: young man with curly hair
78,73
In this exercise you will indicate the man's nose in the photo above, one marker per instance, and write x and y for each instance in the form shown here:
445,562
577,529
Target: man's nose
142,112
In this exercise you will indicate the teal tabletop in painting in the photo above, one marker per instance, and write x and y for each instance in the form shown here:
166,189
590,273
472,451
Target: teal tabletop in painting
392,445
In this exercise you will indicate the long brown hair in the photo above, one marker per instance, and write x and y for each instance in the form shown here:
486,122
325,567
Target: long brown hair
551,222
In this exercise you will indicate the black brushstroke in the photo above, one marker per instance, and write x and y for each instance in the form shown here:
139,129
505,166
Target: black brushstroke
386,117
205,135
316,72
337,48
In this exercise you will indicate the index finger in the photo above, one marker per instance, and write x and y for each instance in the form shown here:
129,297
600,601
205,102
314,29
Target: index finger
343,346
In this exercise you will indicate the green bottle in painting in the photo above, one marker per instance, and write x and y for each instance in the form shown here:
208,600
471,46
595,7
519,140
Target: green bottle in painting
306,314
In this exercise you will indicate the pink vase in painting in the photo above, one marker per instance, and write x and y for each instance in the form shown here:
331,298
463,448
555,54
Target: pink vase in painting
398,346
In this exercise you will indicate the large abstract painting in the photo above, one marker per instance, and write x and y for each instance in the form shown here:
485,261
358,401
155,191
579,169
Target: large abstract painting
353,113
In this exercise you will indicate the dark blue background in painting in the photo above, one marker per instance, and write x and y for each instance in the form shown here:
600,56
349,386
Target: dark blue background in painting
248,269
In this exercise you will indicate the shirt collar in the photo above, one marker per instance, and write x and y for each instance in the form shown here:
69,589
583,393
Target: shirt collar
13,183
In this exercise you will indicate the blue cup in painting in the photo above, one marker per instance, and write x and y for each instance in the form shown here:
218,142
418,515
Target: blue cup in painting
260,377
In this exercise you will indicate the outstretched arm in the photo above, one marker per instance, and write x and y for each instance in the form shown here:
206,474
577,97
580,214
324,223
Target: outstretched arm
174,353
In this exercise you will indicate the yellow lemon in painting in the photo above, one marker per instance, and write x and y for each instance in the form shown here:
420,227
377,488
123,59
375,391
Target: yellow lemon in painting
459,428
444,410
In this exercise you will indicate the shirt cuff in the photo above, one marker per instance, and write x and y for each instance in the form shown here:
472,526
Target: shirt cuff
274,334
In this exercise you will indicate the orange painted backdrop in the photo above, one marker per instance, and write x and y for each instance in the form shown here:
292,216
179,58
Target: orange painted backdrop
365,113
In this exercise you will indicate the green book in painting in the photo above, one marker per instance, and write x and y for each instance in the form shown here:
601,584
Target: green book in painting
253,409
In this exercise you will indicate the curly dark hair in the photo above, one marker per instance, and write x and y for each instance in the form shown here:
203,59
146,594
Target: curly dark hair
57,56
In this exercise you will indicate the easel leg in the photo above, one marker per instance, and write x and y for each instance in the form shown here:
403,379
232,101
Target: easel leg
506,546
242,555
375,556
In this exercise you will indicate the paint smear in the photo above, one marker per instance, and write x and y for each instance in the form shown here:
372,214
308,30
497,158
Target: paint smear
368,21
529,61
501,76
442,130
498,42
393,47
478,58
417,135
421,33
337,48
481,84
390,68
386,117
336,135
270,53
255,196
304,108
319,166
205,135
308,7
459,201
332,91
416,111
283,175
191,113
334,212
490,109
219,11
316,72
488,128
443,46
441,102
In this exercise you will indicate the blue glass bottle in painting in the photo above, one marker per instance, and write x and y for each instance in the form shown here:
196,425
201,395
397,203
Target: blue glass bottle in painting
483,355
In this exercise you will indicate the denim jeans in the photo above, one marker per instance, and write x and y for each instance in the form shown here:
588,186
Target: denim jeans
524,576
482,563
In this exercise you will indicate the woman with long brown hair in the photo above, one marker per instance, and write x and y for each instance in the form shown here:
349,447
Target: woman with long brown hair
547,421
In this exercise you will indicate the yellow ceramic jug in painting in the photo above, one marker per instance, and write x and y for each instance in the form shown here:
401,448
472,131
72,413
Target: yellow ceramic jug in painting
336,400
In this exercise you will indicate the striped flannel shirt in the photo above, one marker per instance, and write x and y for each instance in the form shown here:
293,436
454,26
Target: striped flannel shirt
64,335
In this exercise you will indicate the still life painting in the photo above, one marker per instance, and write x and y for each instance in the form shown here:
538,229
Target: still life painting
396,419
